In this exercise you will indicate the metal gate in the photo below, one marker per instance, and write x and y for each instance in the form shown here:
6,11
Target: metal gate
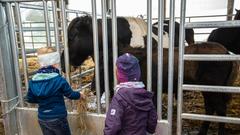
11,36
201,57
22,119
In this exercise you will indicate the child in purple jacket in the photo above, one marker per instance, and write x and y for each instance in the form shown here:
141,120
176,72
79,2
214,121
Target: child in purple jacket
131,111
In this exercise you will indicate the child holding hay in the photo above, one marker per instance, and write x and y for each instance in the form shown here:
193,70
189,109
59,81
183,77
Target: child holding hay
47,88
131,111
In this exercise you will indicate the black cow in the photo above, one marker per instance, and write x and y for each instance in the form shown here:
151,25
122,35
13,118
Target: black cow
189,33
228,37
80,39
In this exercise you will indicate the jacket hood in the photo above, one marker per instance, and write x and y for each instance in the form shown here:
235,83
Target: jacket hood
135,94
45,84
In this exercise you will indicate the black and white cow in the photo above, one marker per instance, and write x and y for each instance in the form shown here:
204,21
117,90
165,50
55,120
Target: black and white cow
189,33
132,38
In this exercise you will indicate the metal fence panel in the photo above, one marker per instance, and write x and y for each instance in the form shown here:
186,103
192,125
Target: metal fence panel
8,76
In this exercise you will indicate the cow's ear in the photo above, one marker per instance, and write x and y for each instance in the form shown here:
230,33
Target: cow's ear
237,10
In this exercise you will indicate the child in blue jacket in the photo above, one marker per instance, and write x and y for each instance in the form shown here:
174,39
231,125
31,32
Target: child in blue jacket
47,88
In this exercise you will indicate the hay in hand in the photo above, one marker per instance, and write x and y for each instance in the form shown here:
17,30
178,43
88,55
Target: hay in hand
82,109
82,104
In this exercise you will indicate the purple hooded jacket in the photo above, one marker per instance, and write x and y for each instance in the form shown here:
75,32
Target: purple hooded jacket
131,111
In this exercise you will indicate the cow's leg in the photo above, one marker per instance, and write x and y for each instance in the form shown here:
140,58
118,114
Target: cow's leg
209,108
221,108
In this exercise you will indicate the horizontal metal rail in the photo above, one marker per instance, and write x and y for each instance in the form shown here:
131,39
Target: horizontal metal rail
40,7
36,36
77,11
213,24
201,117
84,87
37,43
210,88
211,57
201,16
11,109
83,73
19,0
36,29
29,51
9,100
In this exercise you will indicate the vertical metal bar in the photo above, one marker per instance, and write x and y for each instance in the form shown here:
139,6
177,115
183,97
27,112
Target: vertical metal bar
181,67
47,27
7,65
22,44
65,41
56,32
30,24
108,7
96,54
105,52
67,13
114,40
230,5
149,45
160,57
165,9
171,64
14,52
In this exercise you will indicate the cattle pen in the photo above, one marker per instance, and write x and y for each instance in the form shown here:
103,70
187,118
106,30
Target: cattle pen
18,45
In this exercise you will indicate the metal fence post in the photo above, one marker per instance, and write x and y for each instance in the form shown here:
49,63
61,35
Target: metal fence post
56,30
46,19
181,67
105,52
114,39
171,64
160,57
22,45
14,52
7,75
149,45
66,51
96,55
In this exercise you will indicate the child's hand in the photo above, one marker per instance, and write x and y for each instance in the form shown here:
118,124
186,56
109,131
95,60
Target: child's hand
83,96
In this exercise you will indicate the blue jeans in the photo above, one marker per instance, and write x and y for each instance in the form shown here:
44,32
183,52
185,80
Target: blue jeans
55,127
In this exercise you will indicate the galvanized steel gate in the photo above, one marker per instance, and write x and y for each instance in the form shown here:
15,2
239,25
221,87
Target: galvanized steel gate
201,57
17,120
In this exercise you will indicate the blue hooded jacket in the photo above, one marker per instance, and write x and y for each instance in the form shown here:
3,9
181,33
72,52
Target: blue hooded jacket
48,88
